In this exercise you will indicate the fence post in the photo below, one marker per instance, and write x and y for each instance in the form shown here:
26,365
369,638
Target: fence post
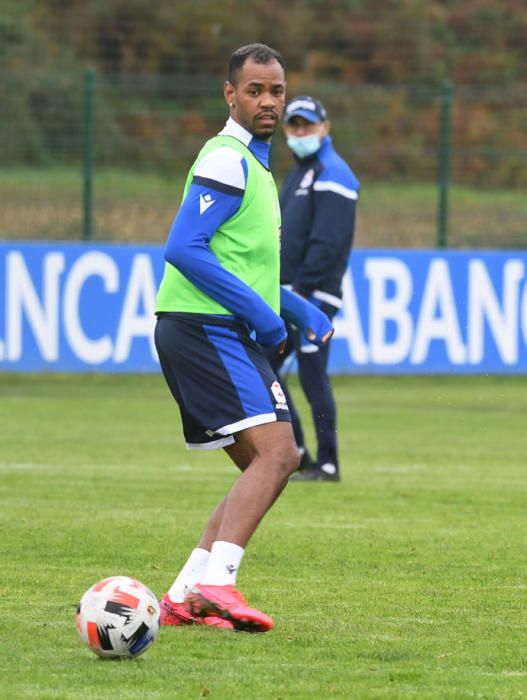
444,163
89,89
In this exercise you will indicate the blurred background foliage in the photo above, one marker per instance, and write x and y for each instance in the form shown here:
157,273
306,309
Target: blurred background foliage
377,64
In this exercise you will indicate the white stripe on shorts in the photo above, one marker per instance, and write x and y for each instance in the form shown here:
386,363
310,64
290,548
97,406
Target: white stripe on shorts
247,423
222,442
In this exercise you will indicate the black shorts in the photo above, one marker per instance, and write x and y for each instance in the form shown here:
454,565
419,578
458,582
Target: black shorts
219,376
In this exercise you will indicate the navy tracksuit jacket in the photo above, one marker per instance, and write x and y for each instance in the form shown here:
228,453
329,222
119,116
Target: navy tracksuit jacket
318,201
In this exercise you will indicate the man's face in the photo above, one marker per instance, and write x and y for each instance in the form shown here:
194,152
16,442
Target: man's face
258,98
298,126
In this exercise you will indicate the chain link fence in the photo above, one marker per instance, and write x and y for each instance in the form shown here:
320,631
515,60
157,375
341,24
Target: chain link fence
107,159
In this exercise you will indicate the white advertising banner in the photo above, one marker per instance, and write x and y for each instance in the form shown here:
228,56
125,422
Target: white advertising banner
89,307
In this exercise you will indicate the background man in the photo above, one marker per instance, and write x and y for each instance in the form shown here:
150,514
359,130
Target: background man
318,202
221,282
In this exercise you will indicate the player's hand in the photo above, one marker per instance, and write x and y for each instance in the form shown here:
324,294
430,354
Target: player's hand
318,329
312,336
271,332
306,316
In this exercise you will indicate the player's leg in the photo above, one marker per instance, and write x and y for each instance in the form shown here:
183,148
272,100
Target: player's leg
256,489
274,457
244,452
229,390
266,457
195,567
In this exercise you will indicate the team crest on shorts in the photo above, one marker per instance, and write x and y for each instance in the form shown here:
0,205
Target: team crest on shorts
281,403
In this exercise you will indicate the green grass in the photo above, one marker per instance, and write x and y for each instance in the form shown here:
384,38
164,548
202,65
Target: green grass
139,206
406,580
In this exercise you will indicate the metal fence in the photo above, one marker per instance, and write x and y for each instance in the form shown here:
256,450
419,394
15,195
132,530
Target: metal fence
105,157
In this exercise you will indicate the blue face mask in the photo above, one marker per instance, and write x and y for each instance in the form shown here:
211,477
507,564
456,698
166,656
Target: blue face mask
304,146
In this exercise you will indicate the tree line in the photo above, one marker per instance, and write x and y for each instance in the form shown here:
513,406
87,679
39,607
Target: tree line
379,64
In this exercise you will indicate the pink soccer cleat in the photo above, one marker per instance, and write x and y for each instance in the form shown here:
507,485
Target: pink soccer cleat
176,614
227,603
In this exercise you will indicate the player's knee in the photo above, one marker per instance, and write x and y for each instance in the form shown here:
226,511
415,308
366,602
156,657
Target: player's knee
287,459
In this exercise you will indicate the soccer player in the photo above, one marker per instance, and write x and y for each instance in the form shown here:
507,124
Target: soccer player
219,301
318,201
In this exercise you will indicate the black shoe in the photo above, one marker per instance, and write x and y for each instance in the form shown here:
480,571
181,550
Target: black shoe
306,462
315,474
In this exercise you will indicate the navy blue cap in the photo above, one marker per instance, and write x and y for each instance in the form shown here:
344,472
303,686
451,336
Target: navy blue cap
307,107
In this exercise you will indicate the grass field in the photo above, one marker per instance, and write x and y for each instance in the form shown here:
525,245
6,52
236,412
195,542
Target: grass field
139,206
406,580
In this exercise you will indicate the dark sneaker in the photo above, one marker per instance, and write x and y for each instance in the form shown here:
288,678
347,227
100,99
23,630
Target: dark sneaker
326,472
306,462
227,603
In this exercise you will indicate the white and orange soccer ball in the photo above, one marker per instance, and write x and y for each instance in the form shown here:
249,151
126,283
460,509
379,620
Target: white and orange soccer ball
118,617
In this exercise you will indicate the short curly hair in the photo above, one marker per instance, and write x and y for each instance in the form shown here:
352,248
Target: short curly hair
260,53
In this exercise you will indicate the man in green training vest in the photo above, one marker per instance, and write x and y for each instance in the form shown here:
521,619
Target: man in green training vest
219,301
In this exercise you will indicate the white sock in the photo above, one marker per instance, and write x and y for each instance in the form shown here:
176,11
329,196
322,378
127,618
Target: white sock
190,574
224,562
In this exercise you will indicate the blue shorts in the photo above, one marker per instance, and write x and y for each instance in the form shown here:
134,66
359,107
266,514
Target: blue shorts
219,376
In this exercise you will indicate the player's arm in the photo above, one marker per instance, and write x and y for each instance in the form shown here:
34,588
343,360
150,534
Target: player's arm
188,250
331,233
305,316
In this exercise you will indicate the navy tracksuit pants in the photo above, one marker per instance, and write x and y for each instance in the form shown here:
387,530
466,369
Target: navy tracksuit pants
312,372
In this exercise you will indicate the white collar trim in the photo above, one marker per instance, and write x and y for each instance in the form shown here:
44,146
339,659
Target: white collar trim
234,129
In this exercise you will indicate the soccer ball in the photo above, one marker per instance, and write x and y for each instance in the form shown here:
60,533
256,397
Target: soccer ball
118,618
